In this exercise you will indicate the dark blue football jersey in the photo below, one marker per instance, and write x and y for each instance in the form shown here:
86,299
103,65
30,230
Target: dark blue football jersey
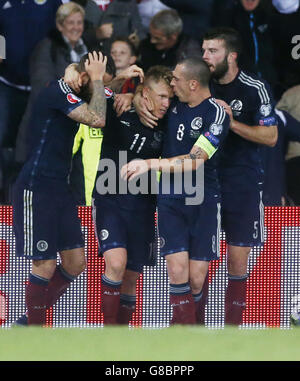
52,133
251,101
205,125
125,138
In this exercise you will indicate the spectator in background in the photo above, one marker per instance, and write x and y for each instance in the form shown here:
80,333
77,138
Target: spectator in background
275,190
290,102
50,59
23,24
124,55
114,18
166,44
285,26
251,19
196,15
147,9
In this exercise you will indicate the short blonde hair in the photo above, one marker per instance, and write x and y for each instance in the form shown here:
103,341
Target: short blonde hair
68,9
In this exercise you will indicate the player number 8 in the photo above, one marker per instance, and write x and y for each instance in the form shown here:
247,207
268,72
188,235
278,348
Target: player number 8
180,132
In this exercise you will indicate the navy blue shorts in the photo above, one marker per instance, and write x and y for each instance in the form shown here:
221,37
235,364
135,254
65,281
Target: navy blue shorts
45,219
134,230
191,228
243,218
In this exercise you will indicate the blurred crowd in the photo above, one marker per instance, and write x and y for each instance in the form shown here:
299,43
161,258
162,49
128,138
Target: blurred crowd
44,36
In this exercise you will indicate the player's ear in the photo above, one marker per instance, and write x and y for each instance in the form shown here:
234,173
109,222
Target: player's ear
145,92
232,56
84,77
193,84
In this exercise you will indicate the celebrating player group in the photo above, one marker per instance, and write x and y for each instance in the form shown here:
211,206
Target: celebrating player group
186,145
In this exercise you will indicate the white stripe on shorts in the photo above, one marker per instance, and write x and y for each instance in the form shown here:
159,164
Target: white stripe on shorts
28,222
262,217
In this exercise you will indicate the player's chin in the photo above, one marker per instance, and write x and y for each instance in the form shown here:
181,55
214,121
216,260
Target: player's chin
161,114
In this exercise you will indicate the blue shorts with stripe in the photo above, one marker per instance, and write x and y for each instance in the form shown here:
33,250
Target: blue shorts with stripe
45,219
191,228
119,225
243,217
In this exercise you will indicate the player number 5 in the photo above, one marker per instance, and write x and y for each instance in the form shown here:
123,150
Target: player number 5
255,234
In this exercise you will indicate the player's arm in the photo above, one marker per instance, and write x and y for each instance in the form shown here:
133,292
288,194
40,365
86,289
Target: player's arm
130,72
201,151
94,113
264,134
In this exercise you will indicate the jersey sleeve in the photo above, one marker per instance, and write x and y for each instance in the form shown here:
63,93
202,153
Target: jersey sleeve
264,105
214,131
62,98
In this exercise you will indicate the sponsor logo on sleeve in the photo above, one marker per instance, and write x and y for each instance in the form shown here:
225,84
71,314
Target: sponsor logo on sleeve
214,140
72,98
108,92
270,121
216,129
265,110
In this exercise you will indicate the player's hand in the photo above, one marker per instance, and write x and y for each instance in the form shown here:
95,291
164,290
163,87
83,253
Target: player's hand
131,72
104,31
122,103
95,66
144,106
226,107
72,78
134,168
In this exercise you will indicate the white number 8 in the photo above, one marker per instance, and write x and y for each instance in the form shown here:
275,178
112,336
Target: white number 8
180,132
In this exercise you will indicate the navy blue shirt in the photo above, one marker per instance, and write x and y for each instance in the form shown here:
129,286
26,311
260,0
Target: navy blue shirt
251,101
52,133
23,24
127,136
206,124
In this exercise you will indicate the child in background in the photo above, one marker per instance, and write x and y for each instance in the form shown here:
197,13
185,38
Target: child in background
124,55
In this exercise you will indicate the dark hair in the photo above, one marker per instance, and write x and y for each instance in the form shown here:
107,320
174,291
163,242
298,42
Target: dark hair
159,73
231,37
128,42
110,66
196,68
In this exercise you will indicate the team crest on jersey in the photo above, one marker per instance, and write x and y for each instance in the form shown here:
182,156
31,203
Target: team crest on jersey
73,98
108,92
42,245
104,234
197,123
216,129
236,107
265,110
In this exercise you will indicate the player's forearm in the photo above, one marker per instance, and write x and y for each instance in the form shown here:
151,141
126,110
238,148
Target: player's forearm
256,134
116,84
181,163
97,103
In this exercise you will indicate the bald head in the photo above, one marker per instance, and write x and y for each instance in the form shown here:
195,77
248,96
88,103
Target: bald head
194,68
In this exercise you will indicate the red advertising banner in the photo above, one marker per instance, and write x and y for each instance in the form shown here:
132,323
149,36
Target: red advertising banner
272,289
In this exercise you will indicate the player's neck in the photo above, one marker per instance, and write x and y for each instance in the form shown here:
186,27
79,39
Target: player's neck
198,97
230,75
